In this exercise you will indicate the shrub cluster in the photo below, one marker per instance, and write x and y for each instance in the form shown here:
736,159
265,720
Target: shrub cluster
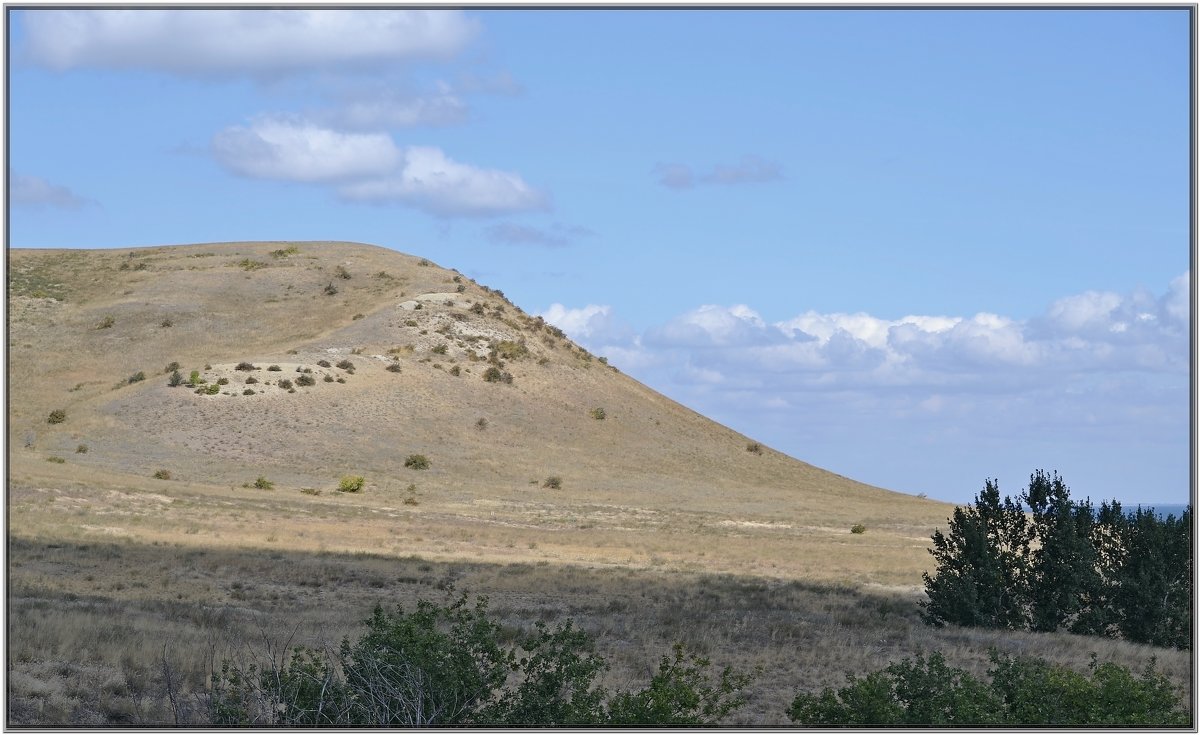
494,375
57,416
446,665
305,379
351,484
417,462
1022,691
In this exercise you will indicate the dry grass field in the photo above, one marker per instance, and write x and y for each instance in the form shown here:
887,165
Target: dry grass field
645,522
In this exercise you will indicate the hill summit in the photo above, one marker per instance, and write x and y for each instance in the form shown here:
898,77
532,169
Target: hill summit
478,431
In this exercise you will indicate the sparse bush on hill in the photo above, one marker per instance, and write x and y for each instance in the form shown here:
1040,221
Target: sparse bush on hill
245,366
222,381
106,322
553,482
166,323
195,379
81,449
351,484
345,364
162,475
460,288
275,368
248,392
509,350
263,483
456,371
341,272
176,379
285,252
754,448
440,349
598,413
136,377
328,378
56,459
494,375
481,424
424,263
57,416
247,264
417,462
251,380
285,384
477,308
305,379
858,528
212,390
171,367
323,363
393,367
330,289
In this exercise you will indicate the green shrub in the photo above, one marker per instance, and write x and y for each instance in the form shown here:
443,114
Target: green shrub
222,381
440,349
394,367
858,528
245,366
284,252
57,416
456,371
509,350
494,375
176,379
263,483
106,322
754,448
417,462
598,413
171,367
81,449
213,389
323,363
247,264
1023,691
553,482
351,484
56,460
195,379
345,364
310,491
305,379
274,368
285,383
328,378
162,475
251,380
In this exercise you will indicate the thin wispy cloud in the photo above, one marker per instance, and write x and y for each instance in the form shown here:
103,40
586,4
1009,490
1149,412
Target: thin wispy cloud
556,236
34,192
241,41
749,170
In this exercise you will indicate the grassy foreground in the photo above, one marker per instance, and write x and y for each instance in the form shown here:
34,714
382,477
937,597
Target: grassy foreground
96,630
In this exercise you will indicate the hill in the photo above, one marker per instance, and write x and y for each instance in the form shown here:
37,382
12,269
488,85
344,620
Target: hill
650,483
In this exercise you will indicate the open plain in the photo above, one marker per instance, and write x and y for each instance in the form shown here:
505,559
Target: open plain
154,530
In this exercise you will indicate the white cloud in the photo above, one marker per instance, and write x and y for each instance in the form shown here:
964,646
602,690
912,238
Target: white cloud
300,151
377,107
432,182
241,41
593,323
370,167
34,192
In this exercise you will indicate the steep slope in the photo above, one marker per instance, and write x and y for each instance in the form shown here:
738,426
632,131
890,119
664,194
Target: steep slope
651,482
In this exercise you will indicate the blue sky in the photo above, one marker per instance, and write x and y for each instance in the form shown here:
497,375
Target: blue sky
920,248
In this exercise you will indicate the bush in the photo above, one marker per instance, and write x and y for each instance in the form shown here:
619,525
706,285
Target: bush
305,379
81,449
222,381
106,322
195,379
858,528
598,414
136,377
176,379
263,483
494,375
323,363
1023,691
213,389
481,424
274,368
553,482
56,459
162,475
341,272
248,392
331,290
286,384
328,378
57,416
251,380
351,484
442,665
245,366
440,349
456,371
166,323
345,364
754,448
417,462
393,367
171,367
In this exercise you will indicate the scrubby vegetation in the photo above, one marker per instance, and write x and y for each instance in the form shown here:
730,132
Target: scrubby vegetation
858,528
598,413
57,416
162,475
417,462
351,484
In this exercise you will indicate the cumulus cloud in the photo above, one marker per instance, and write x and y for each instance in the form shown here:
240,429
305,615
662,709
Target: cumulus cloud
289,150
240,41
34,192
388,105
370,167
590,323
750,170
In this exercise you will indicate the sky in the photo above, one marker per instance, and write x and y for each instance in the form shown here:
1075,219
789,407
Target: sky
920,248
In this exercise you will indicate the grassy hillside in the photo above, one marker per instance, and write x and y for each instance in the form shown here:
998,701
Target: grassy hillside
561,486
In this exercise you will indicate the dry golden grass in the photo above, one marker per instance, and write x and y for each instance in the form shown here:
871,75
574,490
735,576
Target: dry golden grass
664,527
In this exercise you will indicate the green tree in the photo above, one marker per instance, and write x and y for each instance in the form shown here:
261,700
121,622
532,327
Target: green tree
1063,570
1153,594
680,693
